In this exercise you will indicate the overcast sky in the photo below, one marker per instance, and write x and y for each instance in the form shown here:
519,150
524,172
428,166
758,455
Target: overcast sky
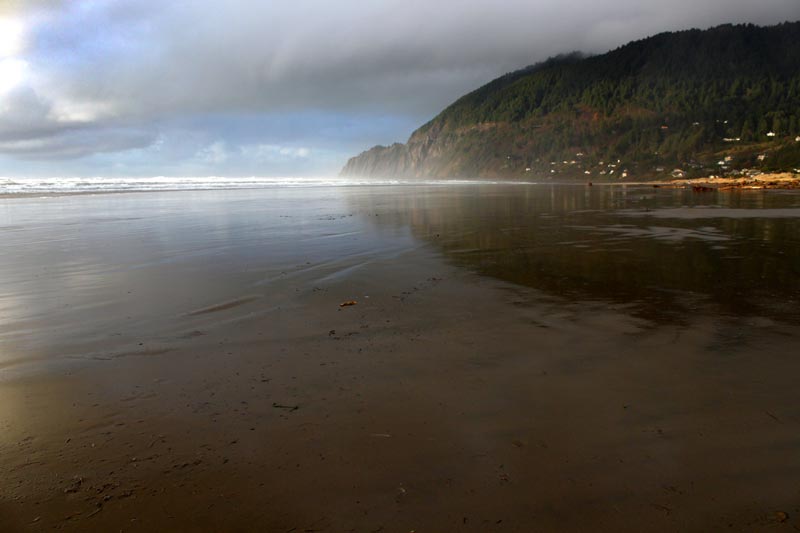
273,87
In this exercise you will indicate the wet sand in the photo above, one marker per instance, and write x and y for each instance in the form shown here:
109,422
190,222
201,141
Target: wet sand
217,384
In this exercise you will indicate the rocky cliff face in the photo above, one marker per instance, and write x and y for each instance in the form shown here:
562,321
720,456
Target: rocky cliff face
388,161
417,158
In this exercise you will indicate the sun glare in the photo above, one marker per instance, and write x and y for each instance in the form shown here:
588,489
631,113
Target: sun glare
11,36
12,69
12,72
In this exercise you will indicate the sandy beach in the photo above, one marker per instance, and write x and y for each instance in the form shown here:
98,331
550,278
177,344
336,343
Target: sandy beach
198,372
782,180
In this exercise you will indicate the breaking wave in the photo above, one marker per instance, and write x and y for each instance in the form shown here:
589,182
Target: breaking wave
15,186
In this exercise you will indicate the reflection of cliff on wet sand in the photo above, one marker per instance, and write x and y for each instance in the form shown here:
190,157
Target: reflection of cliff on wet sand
603,243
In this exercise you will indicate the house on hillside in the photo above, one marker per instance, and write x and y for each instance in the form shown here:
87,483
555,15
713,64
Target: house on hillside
678,173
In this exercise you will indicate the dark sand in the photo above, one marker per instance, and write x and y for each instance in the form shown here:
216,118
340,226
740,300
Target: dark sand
180,362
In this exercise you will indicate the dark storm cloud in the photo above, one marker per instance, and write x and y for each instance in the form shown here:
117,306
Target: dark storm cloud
408,55
99,63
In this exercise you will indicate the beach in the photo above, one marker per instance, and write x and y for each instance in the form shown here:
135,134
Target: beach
768,180
416,358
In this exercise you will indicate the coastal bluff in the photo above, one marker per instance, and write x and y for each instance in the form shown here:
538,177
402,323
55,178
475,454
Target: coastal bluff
689,104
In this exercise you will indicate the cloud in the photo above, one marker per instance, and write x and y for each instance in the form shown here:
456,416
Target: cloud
100,76
72,144
30,128
213,154
271,152
15,6
219,152
204,56
11,36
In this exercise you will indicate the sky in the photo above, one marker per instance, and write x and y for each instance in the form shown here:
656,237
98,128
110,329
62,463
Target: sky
279,87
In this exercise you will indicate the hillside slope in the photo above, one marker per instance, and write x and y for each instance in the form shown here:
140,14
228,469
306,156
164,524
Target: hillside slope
690,103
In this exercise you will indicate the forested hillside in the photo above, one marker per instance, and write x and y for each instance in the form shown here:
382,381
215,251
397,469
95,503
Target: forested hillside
688,103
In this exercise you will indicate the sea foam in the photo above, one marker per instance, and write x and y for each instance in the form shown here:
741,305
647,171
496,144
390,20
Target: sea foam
15,186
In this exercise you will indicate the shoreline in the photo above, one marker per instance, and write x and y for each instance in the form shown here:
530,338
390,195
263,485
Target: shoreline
770,181
782,180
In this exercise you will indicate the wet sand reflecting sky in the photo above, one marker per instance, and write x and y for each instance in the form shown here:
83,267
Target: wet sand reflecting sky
85,274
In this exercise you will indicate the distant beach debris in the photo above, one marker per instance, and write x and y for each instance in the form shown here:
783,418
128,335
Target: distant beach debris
349,303
289,408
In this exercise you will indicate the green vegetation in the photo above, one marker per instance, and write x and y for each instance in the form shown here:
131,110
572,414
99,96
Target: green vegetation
700,101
